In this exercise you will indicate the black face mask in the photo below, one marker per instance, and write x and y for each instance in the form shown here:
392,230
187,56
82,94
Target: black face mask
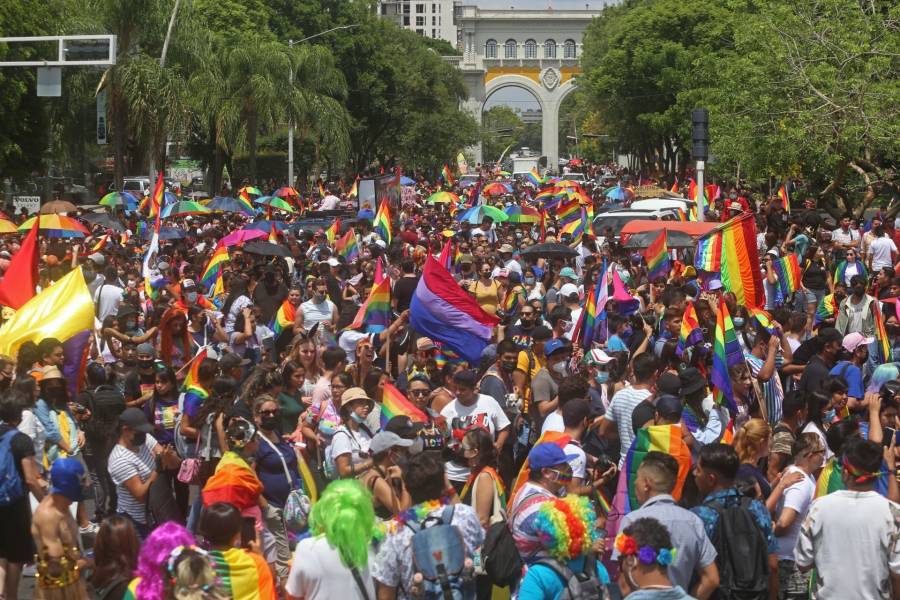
269,422
146,364
129,362
509,367
139,438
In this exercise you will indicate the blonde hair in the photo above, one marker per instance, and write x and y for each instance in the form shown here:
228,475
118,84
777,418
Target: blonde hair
194,578
749,437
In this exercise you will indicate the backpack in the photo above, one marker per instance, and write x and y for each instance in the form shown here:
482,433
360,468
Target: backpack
12,487
106,403
579,586
742,553
442,570
500,557
328,466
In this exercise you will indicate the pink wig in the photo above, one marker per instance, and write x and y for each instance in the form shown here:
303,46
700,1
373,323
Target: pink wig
154,554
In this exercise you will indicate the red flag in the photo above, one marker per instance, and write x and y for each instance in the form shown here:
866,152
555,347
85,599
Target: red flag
20,279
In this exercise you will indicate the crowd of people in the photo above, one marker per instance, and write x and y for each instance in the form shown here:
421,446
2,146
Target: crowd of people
259,437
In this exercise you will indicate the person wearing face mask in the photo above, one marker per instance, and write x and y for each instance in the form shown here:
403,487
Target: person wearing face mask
133,467
276,466
560,321
385,479
645,553
466,271
317,310
349,447
852,369
91,271
141,379
545,385
766,355
856,312
497,381
520,332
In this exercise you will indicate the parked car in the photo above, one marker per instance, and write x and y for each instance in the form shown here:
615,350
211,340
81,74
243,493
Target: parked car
616,219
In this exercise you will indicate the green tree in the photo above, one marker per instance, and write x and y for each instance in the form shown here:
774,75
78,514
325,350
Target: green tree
501,126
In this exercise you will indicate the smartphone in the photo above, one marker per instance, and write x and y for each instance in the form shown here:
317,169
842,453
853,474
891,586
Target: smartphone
248,531
889,433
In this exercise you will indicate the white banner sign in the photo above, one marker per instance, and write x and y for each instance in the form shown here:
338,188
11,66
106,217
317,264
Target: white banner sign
31,203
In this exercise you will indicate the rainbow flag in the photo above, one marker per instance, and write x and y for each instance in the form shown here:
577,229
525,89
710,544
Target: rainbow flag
884,353
101,242
734,242
448,176
192,378
332,232
218,289
375,313
692,191
234,482
243,574
212,270
830,479
660,438
593,311
657,257
354,189
827,309
156,199
346,247
284,318
395,404
321,190
382,224
784,197
446,355
764,319
840,272
691,334
789,274
244,198
575,228
534,177
726,353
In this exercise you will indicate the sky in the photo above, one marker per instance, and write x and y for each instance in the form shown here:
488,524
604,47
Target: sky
537,4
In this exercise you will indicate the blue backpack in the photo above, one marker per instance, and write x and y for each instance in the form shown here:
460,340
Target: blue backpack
442,571
12,487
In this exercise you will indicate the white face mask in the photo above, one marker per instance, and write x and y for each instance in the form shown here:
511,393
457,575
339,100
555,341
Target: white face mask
561,368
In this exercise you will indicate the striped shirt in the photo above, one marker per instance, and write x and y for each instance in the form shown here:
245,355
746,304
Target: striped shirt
125,464
620,409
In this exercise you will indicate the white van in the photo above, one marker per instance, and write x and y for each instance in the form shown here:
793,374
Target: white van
617,219
662,203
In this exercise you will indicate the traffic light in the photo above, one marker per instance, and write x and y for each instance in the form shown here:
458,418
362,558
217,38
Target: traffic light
700,133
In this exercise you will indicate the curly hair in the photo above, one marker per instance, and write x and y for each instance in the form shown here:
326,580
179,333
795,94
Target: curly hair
345,515
566,526
154,554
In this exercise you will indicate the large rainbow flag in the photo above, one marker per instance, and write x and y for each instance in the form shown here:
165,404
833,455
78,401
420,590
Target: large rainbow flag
375,313
382,224
657,257
284,318
659,438
690,334
884,353
726,354
395,404
211,271
731,250
784,197
441,310
534,177
789,274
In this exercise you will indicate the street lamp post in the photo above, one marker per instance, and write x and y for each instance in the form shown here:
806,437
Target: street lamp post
291,44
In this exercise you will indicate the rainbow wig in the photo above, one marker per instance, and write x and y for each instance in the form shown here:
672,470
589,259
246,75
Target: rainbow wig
154,555
881,375
345,515
566,526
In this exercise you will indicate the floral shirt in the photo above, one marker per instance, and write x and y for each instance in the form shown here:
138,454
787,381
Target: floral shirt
728,498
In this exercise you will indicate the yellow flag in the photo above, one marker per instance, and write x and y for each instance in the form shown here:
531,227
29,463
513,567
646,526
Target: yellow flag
60,311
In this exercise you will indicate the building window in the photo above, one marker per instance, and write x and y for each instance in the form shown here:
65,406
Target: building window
490,49
530,49
420,9
510,50
406,9
569,49
550,49
434,33
406,21
434,8
420,21
421,32
433,21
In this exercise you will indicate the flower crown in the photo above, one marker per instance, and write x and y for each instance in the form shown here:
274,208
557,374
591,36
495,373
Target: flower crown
627,545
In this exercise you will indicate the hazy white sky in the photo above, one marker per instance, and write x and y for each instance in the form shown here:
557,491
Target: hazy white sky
557,4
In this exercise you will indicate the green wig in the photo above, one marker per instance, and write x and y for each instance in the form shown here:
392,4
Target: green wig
345,514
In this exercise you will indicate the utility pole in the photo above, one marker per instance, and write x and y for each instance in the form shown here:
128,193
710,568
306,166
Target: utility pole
700,150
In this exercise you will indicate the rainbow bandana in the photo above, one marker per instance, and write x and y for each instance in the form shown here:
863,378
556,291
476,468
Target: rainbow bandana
860,476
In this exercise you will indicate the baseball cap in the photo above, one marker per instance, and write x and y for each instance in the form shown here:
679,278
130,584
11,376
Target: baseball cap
506,249
854,340
333,262
554,345
642,414
230,360
50,372
146,348
503,273
669,406
188,283
424,343
5,254
597,357
403,426
134,418
541,332
568,289
97,258
466,258
65,478
162,266
568,273
548,454
385,440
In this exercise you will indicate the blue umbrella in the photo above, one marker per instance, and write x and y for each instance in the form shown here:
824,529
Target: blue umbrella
267,225
167,233
228,204
169,198
404,180
617,193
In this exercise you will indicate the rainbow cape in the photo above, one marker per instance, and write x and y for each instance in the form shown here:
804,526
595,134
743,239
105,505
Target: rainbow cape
233,482
788,270
657,257
690,334
841,271
243,574
443,311
284,318
375,313
346,247
211,271
332,232
659,438
784,198
395,404
884,353
382,223
726,353
827,309
734,244
448,176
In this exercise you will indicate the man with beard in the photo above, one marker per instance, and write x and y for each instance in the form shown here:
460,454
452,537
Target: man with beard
856,312
520,332
851,370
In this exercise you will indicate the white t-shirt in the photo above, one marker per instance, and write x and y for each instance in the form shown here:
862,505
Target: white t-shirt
485,412
124,464
579,463
620,409
107,299
330,202
553,422
853,540
354,443
316,312
798,497
838,235
881,249
317,573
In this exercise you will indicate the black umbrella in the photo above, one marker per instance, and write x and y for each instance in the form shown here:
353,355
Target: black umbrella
266,249
104,220
674,239
549,250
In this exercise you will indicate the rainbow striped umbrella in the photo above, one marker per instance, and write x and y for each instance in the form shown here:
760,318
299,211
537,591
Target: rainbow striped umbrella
496,189
442,198
125,199
57,226
522,214
183,208
249,189
273,202
7,227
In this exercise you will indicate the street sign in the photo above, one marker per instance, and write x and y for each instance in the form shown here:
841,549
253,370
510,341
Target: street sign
70,50
32,204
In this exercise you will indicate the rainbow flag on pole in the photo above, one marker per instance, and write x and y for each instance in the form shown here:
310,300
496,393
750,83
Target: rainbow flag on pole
657,257
192,378
448,176
354,189
382,224
691,334
211,272
284,318
734,243
156,200
347,247
789,274
395,404
726,354
332,232
375,313
764,319
534,177
593,310
784,197
883,351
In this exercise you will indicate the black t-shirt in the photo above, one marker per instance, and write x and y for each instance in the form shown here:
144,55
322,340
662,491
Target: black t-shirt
520,336
335,291
136,383
403,291
816,370
814,276
21,447
268,300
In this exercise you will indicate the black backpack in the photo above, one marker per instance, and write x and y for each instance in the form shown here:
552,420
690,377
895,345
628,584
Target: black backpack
500,557
106,403
742,553
579,586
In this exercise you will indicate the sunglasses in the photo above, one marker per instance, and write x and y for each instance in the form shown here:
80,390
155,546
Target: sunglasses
270,412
